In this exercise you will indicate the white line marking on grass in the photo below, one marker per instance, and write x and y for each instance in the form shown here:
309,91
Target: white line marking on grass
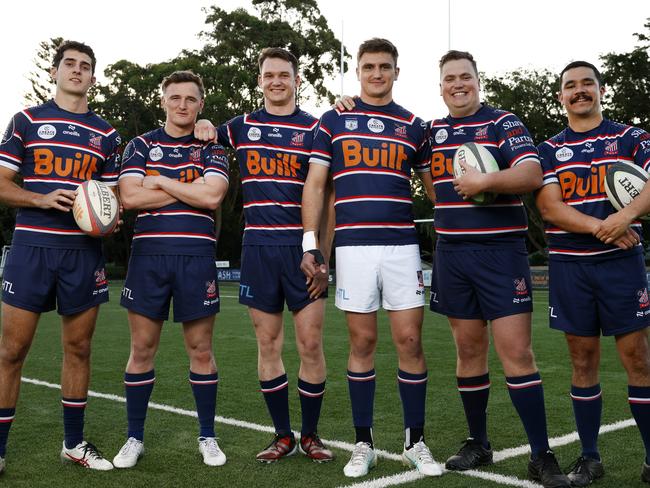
346,446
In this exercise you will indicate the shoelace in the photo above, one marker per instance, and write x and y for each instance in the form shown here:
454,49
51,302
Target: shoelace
90,450
423,453
578,465
130,445
549,464
360,454
211,446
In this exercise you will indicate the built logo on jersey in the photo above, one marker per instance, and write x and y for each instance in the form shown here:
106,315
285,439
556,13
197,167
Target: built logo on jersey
376,126
298,139
563,154
611,148
254,134
46,131
351,124
156,154
441,136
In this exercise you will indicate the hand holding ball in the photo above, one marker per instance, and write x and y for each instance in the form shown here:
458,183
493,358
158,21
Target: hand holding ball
95,209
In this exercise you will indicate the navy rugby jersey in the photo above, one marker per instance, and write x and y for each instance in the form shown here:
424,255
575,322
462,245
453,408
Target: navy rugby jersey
578,161
177,228
508,140
273,154
370,152
55,149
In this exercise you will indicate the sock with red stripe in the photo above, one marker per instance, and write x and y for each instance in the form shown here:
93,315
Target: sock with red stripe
311,400
204,388
6,419
362,397
413,392
276,396
138,388
639,398
527,395
587,409
73,421
475,392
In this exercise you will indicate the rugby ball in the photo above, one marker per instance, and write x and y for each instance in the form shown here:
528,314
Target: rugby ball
476,156
623,183
95,208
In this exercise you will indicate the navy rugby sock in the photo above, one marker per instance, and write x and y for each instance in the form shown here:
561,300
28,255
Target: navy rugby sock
587,409
362,397
6,419
311,400
276,395
475,392
73,420
527,395
204,388
138,388
639,398
413,392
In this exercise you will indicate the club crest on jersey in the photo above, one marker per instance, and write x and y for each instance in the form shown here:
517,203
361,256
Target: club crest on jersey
351,124
100,277
441,136
400,130
155,153
520,286
46,131
481,134
297,138
95,141
611,148
376,126
195,155
254,134
563,154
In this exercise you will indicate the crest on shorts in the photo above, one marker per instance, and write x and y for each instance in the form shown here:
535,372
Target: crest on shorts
420,279
520,286
643,298
211,288
100,277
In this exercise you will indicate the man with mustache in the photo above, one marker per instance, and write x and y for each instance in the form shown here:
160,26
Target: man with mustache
591,248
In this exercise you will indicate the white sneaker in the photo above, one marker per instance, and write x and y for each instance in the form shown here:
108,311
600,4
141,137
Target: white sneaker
131,451
363,458
85,454
420,457
212,454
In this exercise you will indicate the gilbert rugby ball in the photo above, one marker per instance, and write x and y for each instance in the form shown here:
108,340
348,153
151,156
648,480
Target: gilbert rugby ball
623,183
95,208
476,156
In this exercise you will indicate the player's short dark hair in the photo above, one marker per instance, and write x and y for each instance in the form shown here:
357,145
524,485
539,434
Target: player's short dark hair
183,77
454,55
280,53
378,45
76,46
582,64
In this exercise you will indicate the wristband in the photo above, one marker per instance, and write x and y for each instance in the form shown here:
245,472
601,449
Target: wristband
318,256
308,241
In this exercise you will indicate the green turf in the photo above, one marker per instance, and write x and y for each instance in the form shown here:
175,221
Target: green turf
172,457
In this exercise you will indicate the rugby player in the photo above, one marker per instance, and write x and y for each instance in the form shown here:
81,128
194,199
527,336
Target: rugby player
273,145
370,152
481,271
52,264
176,182
597,275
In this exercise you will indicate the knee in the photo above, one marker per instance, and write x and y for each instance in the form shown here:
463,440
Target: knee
142,353
521,357
585,363
13,354
409,345
637,365
363,345
78,350
470,351
201,356
269,345
310,349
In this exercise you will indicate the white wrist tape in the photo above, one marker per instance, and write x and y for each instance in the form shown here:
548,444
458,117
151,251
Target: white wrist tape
309,241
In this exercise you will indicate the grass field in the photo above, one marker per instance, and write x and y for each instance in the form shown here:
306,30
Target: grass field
172,458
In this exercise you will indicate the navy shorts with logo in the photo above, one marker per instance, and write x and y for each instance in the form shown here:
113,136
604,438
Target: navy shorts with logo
152,281
481,282
40,279
271,275
590,297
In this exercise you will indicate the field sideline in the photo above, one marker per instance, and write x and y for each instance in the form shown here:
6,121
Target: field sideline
172,457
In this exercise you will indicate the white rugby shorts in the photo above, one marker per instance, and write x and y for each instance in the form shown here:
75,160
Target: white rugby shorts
366,274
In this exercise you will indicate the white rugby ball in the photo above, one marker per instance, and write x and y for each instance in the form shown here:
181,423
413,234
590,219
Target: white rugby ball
476,156
623,183
95,208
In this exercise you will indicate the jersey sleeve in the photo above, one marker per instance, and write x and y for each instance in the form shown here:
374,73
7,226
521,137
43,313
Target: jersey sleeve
111,171
227,133
215,161
12,146
641,148
422,161
321,149
546,159
514,140
134,158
